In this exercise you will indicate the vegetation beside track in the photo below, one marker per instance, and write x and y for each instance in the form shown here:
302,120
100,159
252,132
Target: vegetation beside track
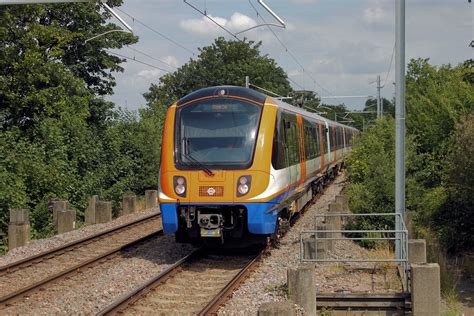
439,164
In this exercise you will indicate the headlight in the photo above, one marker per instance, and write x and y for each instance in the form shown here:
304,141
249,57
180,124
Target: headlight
180,189
179,184
243,185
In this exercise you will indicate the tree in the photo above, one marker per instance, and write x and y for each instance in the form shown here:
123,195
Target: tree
41,43
58,136
222,63
454,219
371,105
306,99
439,156
437,99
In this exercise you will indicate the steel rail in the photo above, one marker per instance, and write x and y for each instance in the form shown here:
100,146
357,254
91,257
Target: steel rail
40,285
70,246
130,298
226,293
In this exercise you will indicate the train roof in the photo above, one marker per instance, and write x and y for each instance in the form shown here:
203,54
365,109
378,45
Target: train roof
254,96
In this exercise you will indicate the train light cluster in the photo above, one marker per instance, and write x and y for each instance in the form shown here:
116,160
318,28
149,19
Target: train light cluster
243,186
180,186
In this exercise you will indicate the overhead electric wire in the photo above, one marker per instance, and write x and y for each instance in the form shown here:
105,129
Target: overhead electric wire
157,32
151,57
390,66
204,13
136,60
291,54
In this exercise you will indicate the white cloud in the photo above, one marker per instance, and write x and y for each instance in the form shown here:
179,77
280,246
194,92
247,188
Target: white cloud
204,26
172,60
376,16
149,73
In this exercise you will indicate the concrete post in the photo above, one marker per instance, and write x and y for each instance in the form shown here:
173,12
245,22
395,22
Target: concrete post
18,228
344,201
327,244
103,212
90,211
310,251
277,309
334,222
66,221
58,206
425,289
129,204
416,251
302,288
150,198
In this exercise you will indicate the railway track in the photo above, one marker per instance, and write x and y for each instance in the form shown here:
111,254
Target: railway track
27,276
197,284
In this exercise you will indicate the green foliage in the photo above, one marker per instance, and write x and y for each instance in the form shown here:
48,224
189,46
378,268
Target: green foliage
372,175
439,164
223,63
453,219
437,98
57,138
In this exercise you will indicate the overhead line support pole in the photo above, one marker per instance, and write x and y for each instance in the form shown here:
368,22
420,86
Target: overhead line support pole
379,101
400,120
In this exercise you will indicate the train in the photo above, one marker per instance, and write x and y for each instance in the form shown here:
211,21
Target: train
237,165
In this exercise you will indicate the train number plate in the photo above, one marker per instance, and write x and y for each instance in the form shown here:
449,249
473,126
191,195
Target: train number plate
210,232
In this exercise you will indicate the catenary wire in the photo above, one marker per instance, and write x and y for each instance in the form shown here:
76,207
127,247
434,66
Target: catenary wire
390,66
136,60
204,13
157,32
285,47
151,57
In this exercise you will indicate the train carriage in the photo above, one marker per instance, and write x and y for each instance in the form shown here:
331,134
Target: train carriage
236,164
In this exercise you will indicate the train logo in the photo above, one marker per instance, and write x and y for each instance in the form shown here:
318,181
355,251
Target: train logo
211,191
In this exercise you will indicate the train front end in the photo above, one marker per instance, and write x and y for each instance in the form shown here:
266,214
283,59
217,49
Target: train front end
216,157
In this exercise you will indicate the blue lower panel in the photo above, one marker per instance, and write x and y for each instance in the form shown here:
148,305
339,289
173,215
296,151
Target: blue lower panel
260,220
169,216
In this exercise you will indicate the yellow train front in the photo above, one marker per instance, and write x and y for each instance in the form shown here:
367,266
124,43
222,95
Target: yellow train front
234,164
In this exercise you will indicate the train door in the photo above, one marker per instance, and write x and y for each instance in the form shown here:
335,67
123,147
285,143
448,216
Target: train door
334,142
302,158
322,150
328,142
292,147
344,130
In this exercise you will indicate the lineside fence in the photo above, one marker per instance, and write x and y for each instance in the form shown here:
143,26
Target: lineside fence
315,243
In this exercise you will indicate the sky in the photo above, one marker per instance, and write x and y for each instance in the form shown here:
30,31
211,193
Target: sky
333,47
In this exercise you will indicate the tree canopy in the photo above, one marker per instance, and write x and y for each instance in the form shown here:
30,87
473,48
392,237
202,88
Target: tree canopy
222,63
439,151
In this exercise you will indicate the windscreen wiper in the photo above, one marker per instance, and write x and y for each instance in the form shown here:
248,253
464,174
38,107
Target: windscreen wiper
199,164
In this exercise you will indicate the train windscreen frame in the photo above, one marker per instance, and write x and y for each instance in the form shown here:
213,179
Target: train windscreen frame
217,133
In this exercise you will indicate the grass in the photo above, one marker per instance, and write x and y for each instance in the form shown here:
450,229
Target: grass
140,203
279,289
450,271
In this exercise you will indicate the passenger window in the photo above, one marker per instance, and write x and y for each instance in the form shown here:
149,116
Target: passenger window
279,160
